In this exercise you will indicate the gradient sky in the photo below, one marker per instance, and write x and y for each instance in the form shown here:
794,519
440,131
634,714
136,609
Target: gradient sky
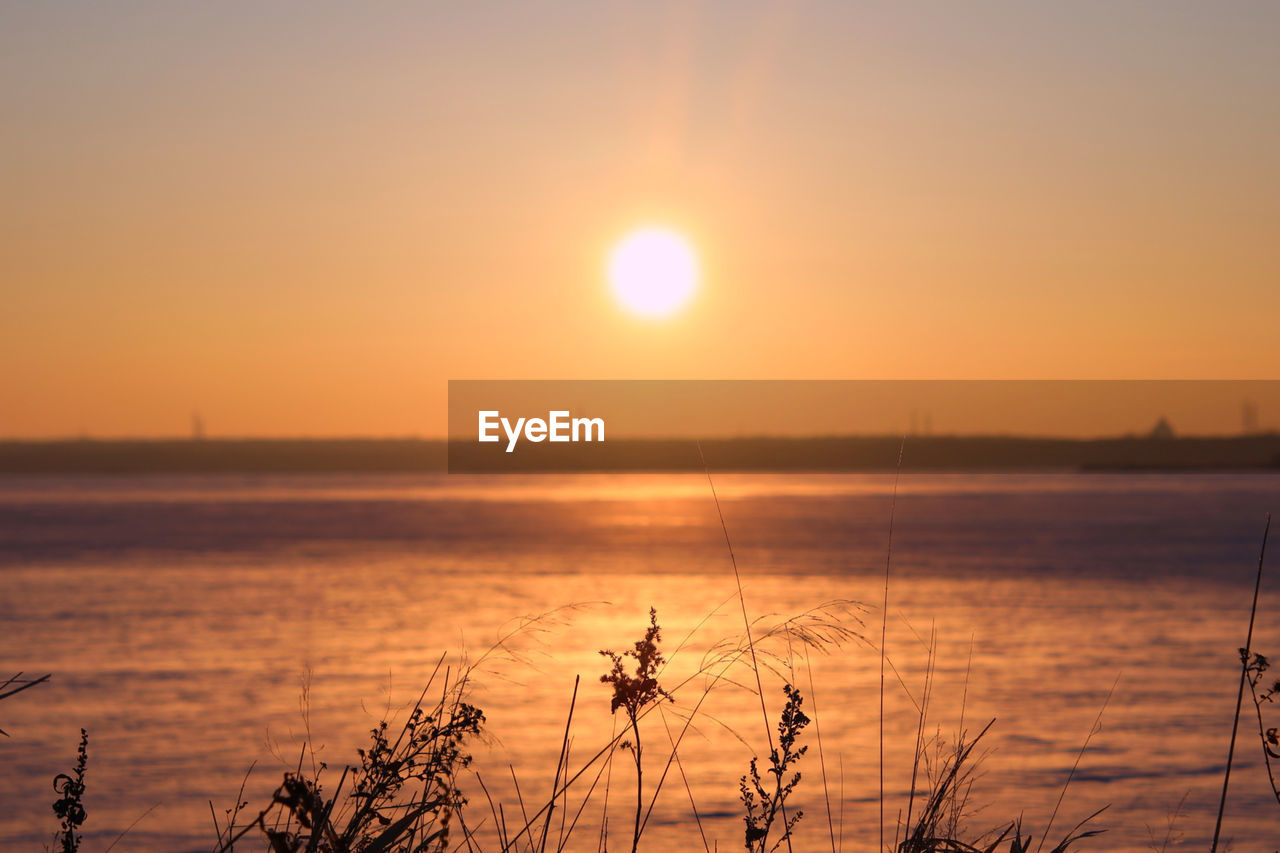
303,218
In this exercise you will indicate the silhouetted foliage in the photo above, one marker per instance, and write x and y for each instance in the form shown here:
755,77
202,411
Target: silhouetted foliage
634,693
69,807
1255,667
764,805
401,798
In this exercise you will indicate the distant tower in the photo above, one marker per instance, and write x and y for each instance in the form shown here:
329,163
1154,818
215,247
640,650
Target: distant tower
197,427
1162,429
1249,417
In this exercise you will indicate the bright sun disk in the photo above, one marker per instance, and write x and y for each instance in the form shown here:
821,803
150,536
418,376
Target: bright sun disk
653,271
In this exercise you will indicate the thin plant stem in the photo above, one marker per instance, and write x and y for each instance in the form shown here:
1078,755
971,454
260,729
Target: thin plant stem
1177,813
129,828
822,761
564,837
560,762
884,624
953,824
693,804
840,818
1083,747
603,842
924,714
636,749
520,799
1244,674
746,620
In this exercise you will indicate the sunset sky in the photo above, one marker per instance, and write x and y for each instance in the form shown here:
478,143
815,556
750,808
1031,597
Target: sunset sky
304,218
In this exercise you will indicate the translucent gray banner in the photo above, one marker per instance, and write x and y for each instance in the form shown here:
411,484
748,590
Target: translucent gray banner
588,425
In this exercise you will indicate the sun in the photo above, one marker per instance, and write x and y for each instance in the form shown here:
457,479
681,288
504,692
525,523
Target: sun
653,271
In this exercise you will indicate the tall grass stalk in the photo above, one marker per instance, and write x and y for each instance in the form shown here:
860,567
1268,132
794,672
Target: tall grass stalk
1245,654
402,796
7,688
1097,724
964,702
924,714
693,803
884,623
322,821
746,621
925,835
560,763
822,761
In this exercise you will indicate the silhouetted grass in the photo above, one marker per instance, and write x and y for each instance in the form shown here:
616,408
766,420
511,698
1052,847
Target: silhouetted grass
15,684
402,793
69,807
401,796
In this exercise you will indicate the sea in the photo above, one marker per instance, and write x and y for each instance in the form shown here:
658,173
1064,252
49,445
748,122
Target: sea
212,633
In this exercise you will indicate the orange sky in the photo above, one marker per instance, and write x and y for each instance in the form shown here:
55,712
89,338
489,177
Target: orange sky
305,220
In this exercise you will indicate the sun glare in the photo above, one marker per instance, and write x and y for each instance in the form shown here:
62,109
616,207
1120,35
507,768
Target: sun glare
653,272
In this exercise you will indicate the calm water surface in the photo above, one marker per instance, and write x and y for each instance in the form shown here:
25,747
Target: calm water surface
197,625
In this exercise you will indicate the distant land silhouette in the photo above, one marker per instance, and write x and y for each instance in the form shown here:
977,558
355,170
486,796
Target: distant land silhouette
847,453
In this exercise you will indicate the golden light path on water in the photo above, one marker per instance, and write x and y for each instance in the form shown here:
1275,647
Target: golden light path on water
182,631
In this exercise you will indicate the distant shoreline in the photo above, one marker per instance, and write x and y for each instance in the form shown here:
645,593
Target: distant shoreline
848,453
